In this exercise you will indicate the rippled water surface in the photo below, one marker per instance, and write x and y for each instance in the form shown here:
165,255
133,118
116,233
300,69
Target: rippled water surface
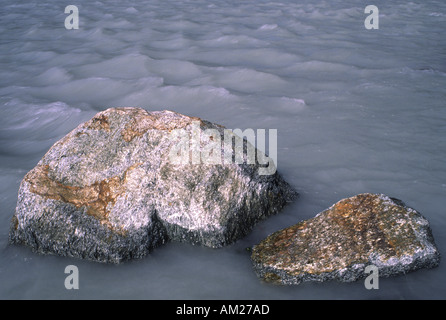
356,111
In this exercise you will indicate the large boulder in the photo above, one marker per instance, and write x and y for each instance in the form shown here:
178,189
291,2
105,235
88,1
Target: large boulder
340,242
129,180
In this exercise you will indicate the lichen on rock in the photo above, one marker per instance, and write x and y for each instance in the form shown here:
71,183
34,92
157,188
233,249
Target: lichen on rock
108,191
338,243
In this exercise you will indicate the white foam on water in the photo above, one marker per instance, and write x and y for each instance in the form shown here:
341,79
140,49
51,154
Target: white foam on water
268,27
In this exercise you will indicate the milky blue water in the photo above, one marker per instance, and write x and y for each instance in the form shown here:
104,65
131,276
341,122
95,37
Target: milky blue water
356,110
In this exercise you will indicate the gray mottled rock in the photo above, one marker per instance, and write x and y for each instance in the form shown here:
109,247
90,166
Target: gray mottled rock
121,184
340,242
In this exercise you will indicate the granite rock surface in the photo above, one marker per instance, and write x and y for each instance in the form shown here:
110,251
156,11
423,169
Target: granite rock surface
340,242
111,190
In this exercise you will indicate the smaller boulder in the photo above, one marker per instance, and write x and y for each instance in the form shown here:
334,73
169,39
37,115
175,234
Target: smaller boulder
340,242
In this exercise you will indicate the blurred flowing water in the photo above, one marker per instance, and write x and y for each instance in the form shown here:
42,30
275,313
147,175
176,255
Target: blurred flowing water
356,111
